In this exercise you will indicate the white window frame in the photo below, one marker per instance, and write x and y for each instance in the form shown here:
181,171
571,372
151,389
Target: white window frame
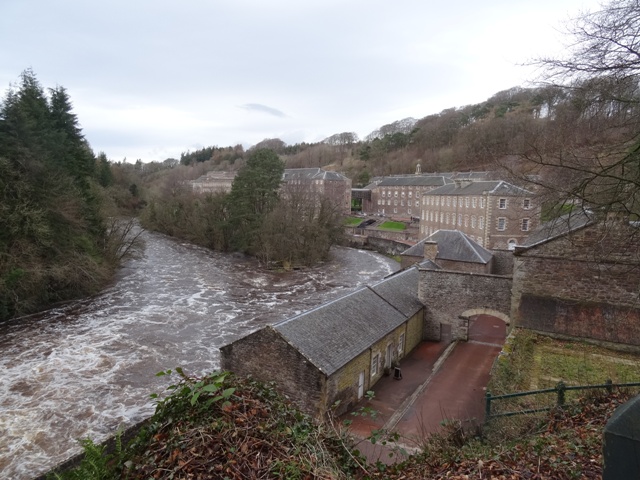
525,223
501,224
526,203
502,203
401,345
375,364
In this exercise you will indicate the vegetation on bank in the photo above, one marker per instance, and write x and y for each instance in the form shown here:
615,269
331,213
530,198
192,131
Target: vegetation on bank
261,217
59,238
222,426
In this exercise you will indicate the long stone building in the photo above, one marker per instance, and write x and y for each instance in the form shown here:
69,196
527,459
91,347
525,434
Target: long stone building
495,214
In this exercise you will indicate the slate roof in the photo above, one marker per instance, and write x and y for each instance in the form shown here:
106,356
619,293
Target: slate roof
414,181
428,264
558,227
495,187
312,174
333,334
453,245
416,251
401,291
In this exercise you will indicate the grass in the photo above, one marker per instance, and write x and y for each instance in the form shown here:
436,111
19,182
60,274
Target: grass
535,362
389,225
352,221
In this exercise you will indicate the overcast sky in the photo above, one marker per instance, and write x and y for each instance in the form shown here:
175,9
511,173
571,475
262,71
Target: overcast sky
150,79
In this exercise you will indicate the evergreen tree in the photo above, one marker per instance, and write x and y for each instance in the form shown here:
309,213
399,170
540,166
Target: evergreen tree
254,193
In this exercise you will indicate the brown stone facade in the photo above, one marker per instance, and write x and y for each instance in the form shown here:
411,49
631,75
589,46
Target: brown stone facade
493,220
265,356
585,284
447,295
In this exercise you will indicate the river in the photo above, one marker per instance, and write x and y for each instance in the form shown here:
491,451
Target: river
87,368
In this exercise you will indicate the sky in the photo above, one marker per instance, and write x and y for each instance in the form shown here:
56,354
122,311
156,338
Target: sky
150,79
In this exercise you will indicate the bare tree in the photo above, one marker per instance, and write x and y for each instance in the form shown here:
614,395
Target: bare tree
585,149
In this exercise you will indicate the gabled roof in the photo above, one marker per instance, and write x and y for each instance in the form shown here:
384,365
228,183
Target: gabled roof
558,227
312,174
401,291
333,334
494,187
414,181
453,245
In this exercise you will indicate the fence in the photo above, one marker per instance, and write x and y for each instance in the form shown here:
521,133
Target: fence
560,389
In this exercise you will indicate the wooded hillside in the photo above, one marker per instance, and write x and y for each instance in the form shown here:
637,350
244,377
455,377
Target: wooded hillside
57,240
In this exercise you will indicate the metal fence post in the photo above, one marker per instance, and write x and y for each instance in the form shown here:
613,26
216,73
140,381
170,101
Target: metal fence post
487,406
609,386
561,387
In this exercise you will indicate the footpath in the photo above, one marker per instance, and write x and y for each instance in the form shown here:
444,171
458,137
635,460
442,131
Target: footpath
441,381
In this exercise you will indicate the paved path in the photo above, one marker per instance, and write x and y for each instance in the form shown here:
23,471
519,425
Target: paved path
440,381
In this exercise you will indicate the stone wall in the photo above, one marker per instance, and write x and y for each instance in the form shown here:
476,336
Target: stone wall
342,386
584,285
447,295
265,356
467,267
387,246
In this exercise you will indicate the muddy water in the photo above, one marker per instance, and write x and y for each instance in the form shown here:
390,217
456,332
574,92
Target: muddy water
89,367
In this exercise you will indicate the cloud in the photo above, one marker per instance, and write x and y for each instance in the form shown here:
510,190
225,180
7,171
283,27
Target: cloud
257,107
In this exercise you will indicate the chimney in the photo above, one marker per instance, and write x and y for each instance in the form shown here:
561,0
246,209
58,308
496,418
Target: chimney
418,169
430,250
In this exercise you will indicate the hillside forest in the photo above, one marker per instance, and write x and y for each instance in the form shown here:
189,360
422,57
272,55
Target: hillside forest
65,212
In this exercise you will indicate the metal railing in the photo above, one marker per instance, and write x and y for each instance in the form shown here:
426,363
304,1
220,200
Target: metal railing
560,390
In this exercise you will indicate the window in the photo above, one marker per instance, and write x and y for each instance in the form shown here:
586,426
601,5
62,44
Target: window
395,202
395,194
526,203
454,201
448,201
447,219
417,203
482,203
481,222
524,225
466,202
402,194
466,220
502,203
459,219
410,193
384,194
374,364
479,240
402,203
502,223
431,216
401,344
441,217
409,211
437,201
474,202
473,221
